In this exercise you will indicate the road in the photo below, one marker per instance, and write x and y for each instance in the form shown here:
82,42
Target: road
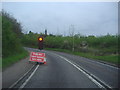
69,71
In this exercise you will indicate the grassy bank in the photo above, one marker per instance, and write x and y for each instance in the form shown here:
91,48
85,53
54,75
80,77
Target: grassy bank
108,58
14,58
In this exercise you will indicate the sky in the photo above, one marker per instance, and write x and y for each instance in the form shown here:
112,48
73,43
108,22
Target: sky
85,18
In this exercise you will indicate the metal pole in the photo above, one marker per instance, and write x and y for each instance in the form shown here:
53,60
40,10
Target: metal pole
73,37
73,43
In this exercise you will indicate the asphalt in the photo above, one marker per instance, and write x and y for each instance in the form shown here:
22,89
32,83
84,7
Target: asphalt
14,72
58,73
106,73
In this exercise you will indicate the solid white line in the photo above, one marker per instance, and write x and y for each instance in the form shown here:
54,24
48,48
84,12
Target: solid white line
97,83
81,69
23,85
104,64
94,76
20,78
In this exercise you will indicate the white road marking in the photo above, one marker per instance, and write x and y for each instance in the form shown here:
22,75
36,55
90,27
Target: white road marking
23,85
94,76
96,82
104,64
80,69
83,70
20,78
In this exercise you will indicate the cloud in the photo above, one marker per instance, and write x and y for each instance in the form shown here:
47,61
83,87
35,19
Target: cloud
97,18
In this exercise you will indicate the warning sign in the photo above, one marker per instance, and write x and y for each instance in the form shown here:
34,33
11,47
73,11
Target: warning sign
37,57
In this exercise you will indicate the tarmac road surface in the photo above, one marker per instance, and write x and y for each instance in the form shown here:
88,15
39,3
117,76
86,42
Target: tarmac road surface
64,71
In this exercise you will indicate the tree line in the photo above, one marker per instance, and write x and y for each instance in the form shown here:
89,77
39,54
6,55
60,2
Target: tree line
11,35
13,40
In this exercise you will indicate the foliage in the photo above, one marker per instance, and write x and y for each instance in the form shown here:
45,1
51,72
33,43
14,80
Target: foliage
12,37
15,26
30,39
102,45
108,58
13,58
11,33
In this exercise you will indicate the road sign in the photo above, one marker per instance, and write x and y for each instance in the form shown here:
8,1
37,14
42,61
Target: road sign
37,57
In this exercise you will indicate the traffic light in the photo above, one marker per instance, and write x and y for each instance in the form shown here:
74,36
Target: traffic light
40,39
40,42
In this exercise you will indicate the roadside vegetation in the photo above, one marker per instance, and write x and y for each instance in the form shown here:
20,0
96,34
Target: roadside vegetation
104,48
12,49
107,58
0,41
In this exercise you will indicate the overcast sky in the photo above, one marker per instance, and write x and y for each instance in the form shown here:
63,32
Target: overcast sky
88,18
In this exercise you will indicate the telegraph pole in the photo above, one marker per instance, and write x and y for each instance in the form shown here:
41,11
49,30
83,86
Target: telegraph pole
71,31
45,32
73,37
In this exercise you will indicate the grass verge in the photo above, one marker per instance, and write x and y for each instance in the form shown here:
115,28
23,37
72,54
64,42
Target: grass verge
14,58
110,58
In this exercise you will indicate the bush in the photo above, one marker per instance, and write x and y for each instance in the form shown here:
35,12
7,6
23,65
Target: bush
11,33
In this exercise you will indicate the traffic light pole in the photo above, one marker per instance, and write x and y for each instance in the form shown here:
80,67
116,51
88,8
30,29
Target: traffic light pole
40,42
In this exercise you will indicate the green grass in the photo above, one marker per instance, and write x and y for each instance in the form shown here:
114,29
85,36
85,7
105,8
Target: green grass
109,58
14,58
